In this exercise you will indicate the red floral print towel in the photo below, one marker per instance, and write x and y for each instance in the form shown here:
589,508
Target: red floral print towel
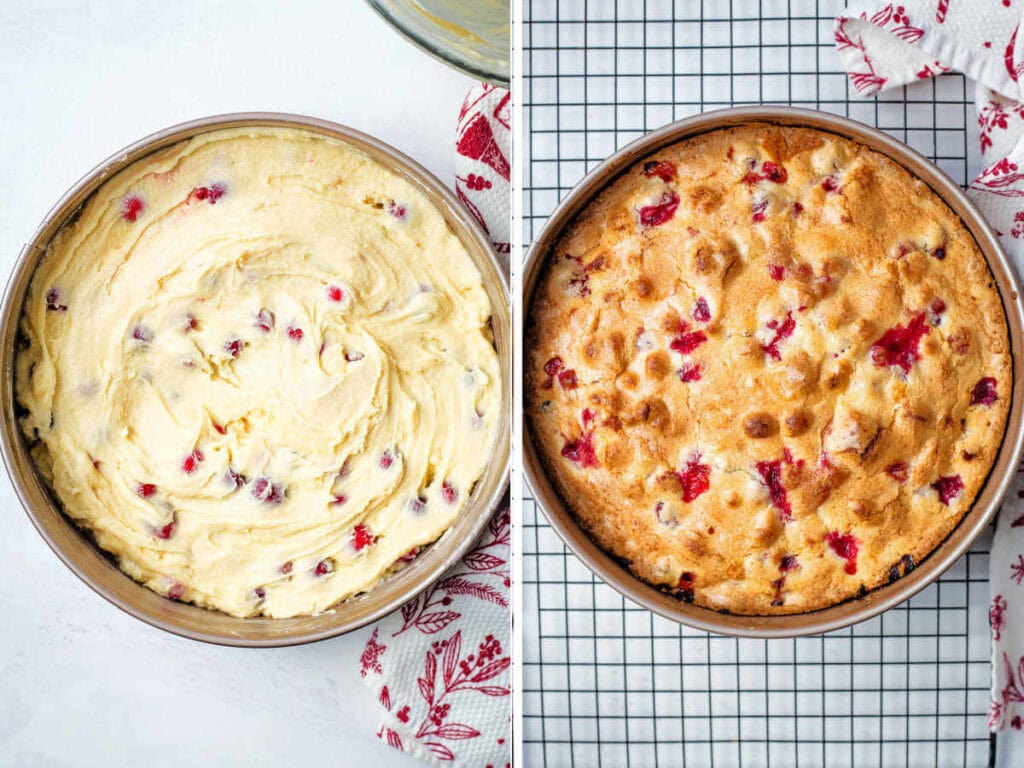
483,161
886,44
439,668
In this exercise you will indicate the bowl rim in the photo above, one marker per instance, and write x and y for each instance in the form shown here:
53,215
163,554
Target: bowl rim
497,75
24,476
974,521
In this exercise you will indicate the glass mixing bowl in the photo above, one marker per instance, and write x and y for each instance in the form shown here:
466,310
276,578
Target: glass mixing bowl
473,37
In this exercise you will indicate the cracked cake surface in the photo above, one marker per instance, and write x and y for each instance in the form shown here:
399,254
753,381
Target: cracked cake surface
768,368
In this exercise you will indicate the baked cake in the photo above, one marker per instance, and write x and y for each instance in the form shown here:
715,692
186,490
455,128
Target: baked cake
768,369
258,368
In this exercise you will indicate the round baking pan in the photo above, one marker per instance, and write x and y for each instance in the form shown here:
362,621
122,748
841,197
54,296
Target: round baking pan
989,498
77,549
472,37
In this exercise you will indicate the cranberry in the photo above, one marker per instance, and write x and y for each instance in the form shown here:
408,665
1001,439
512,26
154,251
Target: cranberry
409,556
166,531
689,372
142,333
662,169
295,334
334,293
830,184
898,346
417,504
695,479
354,357
935,311
553,366
771,476
339,499
581,450
777,272
234,347
145,490
770,171
448,492
687,341
131,206
324,567
797,209
774,173
567,379
386,460
236,479
701,311
906,562
176,592
191,324
396,209
758,210
845,545
662,211
220,429
362,538
899,471
684,587
265,320
266,491
984,392
191,462
210,194
788,563
948,488
259,593
286,568
782,331
53,301
939,253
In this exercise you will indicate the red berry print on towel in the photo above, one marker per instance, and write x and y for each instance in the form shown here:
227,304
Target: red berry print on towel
370,660
997,616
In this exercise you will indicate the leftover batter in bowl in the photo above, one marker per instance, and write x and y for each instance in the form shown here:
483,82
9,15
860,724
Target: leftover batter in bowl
768,369
258,368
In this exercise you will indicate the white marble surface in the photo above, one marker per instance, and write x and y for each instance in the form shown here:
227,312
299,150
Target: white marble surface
83,684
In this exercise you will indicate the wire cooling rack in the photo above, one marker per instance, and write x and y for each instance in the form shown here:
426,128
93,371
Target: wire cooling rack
606,683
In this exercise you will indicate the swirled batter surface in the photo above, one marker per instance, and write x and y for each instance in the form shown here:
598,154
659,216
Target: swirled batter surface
258,368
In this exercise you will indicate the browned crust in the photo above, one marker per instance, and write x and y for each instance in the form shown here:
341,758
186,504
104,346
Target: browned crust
856,261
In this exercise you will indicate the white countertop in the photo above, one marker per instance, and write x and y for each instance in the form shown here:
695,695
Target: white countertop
84,684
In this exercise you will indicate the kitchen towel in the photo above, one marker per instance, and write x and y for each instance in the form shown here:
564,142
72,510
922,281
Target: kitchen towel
439,668
883,45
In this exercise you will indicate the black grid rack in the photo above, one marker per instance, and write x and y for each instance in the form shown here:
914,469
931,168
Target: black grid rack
606,683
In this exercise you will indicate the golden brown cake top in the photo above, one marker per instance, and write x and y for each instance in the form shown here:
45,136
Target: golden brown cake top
769,368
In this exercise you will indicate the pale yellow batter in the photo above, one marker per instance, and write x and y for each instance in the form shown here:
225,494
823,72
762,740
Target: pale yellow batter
259,369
